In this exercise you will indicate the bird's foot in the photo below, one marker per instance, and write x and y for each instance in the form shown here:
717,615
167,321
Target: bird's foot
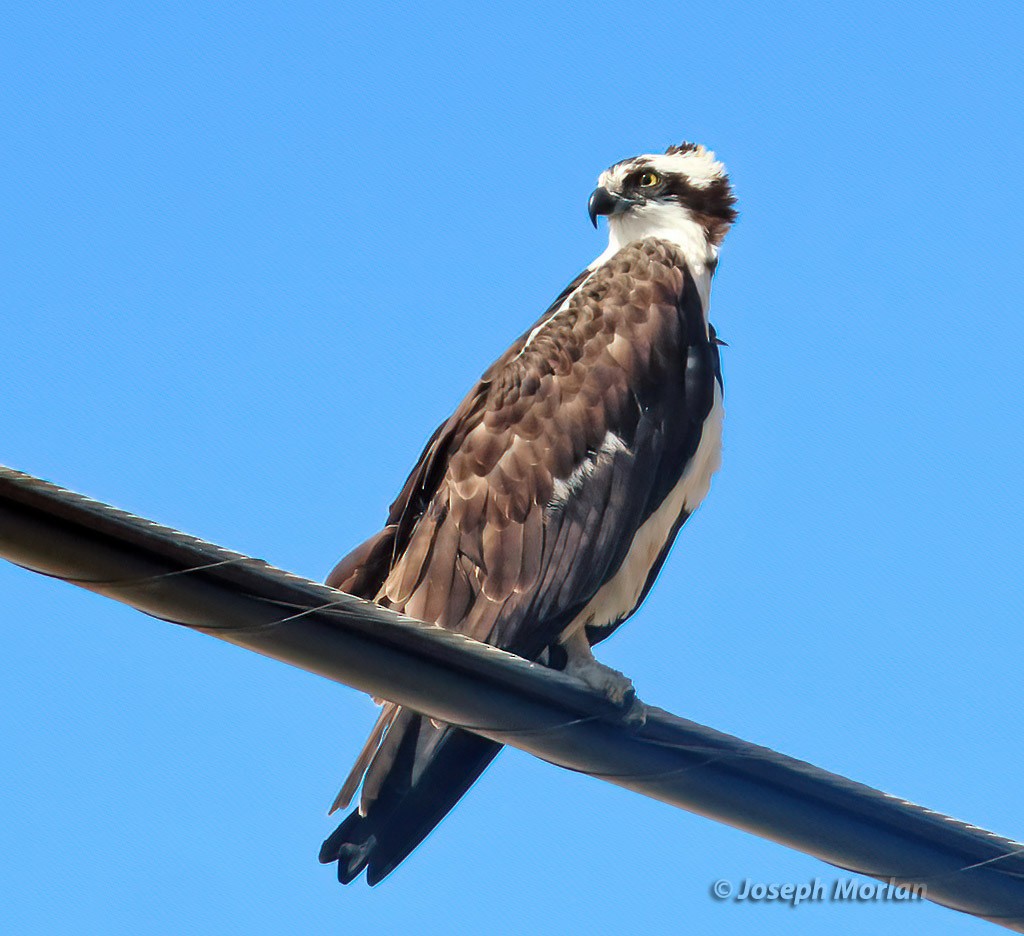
613,685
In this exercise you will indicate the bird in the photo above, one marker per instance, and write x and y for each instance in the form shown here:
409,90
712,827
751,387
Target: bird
540,513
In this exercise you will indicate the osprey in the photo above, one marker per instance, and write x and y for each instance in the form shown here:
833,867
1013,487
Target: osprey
541,511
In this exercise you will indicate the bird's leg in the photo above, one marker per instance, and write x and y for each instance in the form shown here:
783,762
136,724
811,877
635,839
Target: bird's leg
581,663
612,684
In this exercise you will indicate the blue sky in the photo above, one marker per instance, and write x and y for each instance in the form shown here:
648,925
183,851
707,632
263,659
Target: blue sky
253,253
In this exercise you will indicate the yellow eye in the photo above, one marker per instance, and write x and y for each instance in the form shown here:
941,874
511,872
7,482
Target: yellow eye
648,178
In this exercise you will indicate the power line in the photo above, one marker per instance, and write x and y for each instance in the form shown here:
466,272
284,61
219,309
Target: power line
245,601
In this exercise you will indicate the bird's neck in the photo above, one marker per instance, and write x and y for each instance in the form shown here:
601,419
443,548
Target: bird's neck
671,224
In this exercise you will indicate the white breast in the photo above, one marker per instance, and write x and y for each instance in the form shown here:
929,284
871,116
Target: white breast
619,595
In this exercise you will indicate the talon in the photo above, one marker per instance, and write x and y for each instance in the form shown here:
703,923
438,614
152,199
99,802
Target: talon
636,714
612,684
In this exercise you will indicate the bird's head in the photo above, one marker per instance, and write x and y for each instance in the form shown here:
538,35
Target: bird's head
683,189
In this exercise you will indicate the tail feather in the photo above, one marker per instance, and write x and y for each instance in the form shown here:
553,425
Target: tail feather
429,769
395,760
348,789
349,845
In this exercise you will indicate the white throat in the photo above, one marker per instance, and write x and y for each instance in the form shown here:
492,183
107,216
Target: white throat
671,223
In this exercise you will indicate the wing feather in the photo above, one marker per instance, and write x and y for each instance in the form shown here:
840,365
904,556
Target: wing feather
409,572
525,502
503,557
533,548
475,532
437,588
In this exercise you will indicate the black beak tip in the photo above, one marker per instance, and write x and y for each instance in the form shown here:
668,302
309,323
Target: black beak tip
603,202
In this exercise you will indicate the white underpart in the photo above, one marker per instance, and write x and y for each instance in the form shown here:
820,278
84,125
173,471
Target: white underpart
619,595
574,483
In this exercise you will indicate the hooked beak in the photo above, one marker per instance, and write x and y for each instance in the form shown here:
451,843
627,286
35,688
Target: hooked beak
603,202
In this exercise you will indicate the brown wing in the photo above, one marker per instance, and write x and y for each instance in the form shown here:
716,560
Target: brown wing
523,504
363,571
526,500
